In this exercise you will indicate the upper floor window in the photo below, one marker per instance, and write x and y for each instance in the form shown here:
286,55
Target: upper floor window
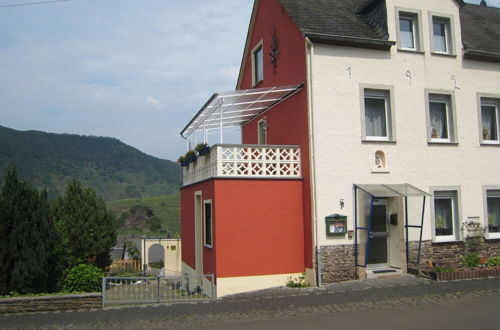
409,31
262,131
489,120
258,63
377,115
442,35
441,126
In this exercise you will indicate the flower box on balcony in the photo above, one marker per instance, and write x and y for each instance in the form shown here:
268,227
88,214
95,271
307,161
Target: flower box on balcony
204,151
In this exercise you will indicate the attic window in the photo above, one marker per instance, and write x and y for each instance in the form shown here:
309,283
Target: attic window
409,31
258,64
442,40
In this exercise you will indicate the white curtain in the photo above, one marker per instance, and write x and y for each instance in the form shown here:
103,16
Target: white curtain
439,122
494,212
443,216
489,122
375,117
406,33
439,37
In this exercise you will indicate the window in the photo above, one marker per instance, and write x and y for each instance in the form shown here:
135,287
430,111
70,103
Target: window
409,31
445,215
377,115
258,64
442,35
207,215
493,212
262,131
489,120
441,126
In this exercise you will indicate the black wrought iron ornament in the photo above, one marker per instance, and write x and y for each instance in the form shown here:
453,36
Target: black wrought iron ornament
274,51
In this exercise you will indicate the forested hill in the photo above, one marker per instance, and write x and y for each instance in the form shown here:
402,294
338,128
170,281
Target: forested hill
115,170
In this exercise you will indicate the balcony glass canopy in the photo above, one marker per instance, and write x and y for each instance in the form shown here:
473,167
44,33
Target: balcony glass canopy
234,108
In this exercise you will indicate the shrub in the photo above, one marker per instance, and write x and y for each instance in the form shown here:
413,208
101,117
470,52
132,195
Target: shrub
297,282
472,260
443,269
83,278
493,262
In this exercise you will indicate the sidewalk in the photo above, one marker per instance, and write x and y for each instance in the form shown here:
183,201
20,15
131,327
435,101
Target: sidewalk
272,304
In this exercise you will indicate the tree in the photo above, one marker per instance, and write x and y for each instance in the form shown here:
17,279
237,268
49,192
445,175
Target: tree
28,236
87,226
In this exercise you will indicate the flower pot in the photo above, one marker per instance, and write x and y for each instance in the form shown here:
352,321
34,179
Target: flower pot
184,163
204,151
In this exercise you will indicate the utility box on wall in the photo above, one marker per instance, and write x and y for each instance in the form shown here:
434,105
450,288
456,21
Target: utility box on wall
336,224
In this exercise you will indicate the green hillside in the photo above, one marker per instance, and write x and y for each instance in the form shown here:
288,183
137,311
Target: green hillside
113,169
152,216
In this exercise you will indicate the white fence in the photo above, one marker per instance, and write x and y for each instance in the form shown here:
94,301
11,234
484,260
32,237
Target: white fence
144,290
245,161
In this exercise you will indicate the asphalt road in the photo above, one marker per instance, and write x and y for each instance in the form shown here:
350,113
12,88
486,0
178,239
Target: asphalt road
404,303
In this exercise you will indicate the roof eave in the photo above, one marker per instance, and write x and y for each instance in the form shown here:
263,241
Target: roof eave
379,44
481,55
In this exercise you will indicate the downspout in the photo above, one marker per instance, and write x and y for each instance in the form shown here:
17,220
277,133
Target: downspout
310,48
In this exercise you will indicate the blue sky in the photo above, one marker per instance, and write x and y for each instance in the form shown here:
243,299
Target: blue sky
137,70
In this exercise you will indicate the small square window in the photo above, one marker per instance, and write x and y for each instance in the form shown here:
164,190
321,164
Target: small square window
445,215
441,119
489,120
377,115
258,64
442,35
493,211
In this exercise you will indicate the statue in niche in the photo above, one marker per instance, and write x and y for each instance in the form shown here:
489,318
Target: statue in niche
379,159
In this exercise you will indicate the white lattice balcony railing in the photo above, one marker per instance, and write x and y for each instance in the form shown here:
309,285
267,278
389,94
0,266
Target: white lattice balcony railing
245,161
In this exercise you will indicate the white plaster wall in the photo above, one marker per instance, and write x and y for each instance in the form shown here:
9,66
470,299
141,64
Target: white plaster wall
341,159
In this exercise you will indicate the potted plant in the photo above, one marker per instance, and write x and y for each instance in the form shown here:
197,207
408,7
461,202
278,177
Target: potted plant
491,225
182,160
202,149
440,226
190,156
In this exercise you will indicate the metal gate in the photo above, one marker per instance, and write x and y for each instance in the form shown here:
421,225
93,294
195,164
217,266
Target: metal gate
147,290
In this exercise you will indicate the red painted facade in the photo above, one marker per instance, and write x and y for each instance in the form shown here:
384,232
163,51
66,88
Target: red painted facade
262,226
287,123
257,227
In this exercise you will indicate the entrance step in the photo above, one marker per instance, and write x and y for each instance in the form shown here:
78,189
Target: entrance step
383,272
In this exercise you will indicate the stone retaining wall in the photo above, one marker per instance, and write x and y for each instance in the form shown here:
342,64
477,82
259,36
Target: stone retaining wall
454,252
337,263
50,303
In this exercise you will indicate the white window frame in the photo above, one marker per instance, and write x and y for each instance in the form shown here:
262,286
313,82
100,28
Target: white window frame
452,193
262,131
415,16
493,191
448,21
208,245
385,93
489,100
255,50
448,98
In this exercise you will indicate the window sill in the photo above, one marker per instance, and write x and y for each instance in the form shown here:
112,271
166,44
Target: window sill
380,170
207,246
442,143
447,241
378,141
403,50
444,54
490,144
492,236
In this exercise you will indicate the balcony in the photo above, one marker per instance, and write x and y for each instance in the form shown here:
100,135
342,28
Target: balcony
245,161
